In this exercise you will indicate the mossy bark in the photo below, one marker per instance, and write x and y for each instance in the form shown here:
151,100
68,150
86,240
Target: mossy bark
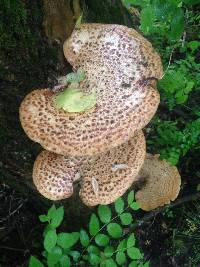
28,61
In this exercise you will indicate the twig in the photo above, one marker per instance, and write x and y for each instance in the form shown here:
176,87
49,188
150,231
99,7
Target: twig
13,249
154,213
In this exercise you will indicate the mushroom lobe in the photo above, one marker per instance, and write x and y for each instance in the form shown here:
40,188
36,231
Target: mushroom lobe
121,67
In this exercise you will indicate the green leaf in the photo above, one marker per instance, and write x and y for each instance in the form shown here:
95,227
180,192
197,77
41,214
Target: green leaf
74,100
84,238
177,24
75,255
102,240
51,211
57,217
43,218
104,213
119,205
94,259
131,241
76,77
110,263
114,230
93,249
108,251
135,206
34,262
134,253
65,261
120,258
67,240
126,218
50,240
94,225
147,17
54,256
122,245
131,197
133,264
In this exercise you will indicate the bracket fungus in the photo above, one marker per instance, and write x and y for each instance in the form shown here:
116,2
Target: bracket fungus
90,125
54,174
162,183
121,67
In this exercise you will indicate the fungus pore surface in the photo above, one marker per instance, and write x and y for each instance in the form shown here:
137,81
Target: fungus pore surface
122,68
162,183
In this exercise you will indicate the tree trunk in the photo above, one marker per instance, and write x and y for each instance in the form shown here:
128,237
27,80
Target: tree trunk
29,61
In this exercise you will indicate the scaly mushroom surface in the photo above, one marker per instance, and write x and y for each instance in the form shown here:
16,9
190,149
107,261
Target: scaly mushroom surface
104,177
121,67
162,183
112,173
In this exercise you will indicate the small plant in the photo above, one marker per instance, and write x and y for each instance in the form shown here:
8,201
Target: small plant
107,242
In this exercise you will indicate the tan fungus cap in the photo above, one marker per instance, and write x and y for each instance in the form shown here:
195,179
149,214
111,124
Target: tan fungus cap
112,173
53,175
121,66
162,183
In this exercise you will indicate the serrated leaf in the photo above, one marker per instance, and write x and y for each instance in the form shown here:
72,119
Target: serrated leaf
120,258
104,213
74,100
126,218
50,240
135,206
67,240
54,256
122,245
65,261
34,262
108,251
134,253
131,197
131,241
94,259
84,238
119,205
114,230
102,240
94,225
57,217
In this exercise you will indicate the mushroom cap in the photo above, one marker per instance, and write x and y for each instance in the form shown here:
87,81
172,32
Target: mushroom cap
122,68
53,175
162,183
112,173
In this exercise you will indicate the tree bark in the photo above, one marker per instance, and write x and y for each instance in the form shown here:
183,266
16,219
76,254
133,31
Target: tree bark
17,151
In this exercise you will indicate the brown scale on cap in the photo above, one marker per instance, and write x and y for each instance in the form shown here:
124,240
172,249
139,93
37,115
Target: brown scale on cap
162,183
122,67
53,175
112,173
105,177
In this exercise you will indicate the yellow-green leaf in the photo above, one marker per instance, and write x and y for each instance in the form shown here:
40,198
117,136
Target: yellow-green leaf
73,100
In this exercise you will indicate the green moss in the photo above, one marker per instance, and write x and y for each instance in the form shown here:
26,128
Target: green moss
23,52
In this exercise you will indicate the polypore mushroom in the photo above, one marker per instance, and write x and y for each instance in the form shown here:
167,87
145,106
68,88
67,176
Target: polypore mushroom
112,173
105,177
162,183
121,68
53,175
